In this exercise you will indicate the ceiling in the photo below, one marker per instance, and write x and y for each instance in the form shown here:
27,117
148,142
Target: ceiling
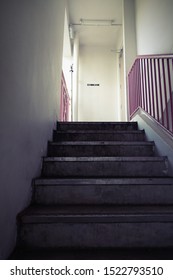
96,10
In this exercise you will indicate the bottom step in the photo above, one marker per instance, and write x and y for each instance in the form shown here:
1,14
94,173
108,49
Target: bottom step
96,226
92,254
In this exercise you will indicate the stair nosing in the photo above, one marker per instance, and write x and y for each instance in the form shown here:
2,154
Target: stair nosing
100,131
107,214
126,218
110,181
97,122
111,159
104,143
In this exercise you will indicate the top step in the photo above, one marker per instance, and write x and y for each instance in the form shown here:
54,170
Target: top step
122,126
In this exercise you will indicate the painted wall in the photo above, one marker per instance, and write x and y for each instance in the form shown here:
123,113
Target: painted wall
67,58
75,97
97,65
30,72
129,42
154,23
118,77
129,33
67,53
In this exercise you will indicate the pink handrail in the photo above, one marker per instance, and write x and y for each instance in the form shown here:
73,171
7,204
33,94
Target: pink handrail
150,87
65,100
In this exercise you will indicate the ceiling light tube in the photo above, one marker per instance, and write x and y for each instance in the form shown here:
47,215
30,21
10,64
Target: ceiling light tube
97,22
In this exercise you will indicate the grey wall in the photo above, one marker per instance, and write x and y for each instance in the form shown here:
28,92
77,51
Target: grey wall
30,69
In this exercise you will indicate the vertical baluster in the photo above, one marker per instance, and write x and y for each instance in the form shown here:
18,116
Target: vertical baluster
131,90
131,96
170,93
160,93
139,89
134,89
129,93
152,88
149,93
133,81
146,97
136,85
165,94
142,84
156,88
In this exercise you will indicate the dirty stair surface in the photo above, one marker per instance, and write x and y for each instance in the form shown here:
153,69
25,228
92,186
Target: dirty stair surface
102,186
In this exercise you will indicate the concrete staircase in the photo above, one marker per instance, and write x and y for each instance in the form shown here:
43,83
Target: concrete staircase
102,186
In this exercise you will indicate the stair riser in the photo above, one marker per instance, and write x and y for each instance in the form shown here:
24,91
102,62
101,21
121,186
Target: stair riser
104,194
100,150
64,126
95,169
102,235
58,136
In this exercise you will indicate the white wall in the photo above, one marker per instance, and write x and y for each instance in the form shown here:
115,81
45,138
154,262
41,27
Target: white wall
30,71
97,65
74,100
129,33
154,22
129,42
67,53
67,59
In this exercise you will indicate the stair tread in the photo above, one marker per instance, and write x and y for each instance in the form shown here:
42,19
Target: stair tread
104,131
118,159
96,122
96,213
97,125
94,143
96,209
104,181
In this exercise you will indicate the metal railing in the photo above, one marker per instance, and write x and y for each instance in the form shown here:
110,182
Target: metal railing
65,101
150,85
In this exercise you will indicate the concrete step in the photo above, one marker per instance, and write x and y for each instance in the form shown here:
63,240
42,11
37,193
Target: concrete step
100,148
122,191
96,226
65,126
88,167
93,135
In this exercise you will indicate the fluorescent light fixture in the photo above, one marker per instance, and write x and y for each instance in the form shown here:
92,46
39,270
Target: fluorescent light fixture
97,22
